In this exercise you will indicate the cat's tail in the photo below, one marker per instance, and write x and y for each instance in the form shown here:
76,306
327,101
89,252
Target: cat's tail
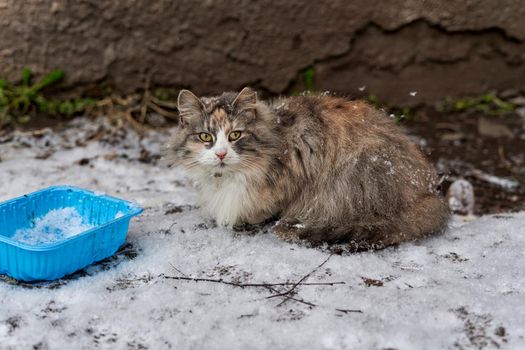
425,217
428,216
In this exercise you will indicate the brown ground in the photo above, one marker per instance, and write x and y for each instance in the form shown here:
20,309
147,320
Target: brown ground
462,143
459,144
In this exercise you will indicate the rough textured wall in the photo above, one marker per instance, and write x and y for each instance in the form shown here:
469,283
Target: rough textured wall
437,48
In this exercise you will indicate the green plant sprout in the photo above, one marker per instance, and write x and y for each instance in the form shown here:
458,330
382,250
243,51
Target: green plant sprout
19,102
308,79
488,103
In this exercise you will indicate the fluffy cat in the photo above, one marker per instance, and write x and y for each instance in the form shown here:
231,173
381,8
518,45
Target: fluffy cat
328,168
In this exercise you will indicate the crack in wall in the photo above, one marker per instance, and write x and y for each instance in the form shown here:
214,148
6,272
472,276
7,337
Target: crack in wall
492,37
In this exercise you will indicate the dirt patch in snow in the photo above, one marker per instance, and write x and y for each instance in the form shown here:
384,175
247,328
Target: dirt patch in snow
487,150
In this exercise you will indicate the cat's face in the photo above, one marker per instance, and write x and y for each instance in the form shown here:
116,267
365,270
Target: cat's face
221,135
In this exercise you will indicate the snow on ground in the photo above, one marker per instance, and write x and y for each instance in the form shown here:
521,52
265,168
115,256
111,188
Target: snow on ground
463,289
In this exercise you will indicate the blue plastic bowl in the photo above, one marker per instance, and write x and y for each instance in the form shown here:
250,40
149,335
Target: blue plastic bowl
109,217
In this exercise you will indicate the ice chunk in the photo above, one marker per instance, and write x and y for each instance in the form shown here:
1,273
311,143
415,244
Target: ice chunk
55,225
460,197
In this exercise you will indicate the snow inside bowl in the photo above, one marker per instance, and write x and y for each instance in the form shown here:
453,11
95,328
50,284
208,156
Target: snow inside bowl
56,231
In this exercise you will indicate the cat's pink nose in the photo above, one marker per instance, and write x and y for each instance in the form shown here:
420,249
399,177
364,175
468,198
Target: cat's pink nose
221,154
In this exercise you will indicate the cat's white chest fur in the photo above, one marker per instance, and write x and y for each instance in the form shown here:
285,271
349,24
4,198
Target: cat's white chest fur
225,198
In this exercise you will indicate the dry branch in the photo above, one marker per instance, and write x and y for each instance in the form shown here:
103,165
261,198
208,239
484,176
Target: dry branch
302,301
134,108
301,281
287,295
245,285
347,311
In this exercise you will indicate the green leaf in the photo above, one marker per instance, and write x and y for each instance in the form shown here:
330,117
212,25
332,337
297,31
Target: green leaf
49,79
308,78
66,108
26,76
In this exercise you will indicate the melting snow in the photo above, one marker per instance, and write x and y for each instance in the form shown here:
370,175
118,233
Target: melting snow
463,289
57,224
460,197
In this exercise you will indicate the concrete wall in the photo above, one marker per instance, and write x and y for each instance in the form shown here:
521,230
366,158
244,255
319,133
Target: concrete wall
438,48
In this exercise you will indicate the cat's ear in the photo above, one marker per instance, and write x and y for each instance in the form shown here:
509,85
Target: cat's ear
245,100
190,107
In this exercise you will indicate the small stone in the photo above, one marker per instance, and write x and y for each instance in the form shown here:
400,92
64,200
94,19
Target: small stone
460,197
521,112
500,332
494,129
509,93
83,161
518,101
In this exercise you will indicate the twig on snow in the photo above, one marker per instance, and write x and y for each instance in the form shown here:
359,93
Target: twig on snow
347,311
300,282
288,294
176,269
302,301
245,285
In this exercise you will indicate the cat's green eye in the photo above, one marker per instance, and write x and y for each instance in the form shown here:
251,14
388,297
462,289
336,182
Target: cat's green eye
234,135
205,137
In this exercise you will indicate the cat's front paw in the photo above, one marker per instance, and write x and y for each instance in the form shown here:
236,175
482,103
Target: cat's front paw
246,227
288,230
262,226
